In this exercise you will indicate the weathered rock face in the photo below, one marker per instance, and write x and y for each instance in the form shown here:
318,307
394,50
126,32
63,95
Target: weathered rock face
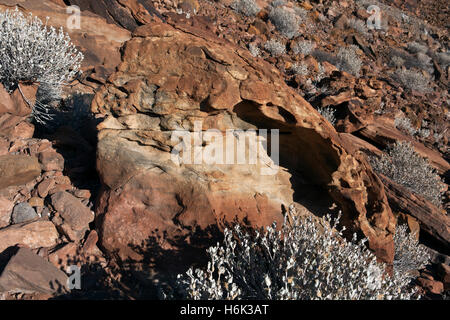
170,78
432,220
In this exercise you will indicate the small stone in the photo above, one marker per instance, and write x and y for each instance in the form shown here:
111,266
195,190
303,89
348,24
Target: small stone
45,186
45,213
443,271
34,235
64,256
51,161
75,215
4,146
6,207
24,130
60,188
90,245
36,202
432,286
62,180
23,212
82,194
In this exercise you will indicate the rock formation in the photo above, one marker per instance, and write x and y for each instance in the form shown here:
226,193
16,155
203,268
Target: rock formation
171,77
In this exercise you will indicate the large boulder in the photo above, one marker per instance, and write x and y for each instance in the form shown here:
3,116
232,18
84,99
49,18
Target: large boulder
37,234
75,216
169,79
26,272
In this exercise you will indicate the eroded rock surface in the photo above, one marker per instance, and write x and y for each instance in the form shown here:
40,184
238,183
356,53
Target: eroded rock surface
171,77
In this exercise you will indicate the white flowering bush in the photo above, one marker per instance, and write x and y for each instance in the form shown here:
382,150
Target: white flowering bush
404,124
409,254
304,260
32,52
407,168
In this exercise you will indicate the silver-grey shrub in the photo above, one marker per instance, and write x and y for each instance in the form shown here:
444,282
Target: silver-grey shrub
304,260
328,113
443,59
348,60
254,49
285,21
409,254
275,47
406,167
304,47
415,47
358,25
33,52
411,79
404,124
300,69
246,7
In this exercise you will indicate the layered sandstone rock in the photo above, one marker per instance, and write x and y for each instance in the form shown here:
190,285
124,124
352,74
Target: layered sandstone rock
171,77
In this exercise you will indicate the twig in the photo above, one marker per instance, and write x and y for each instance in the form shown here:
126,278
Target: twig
23,96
